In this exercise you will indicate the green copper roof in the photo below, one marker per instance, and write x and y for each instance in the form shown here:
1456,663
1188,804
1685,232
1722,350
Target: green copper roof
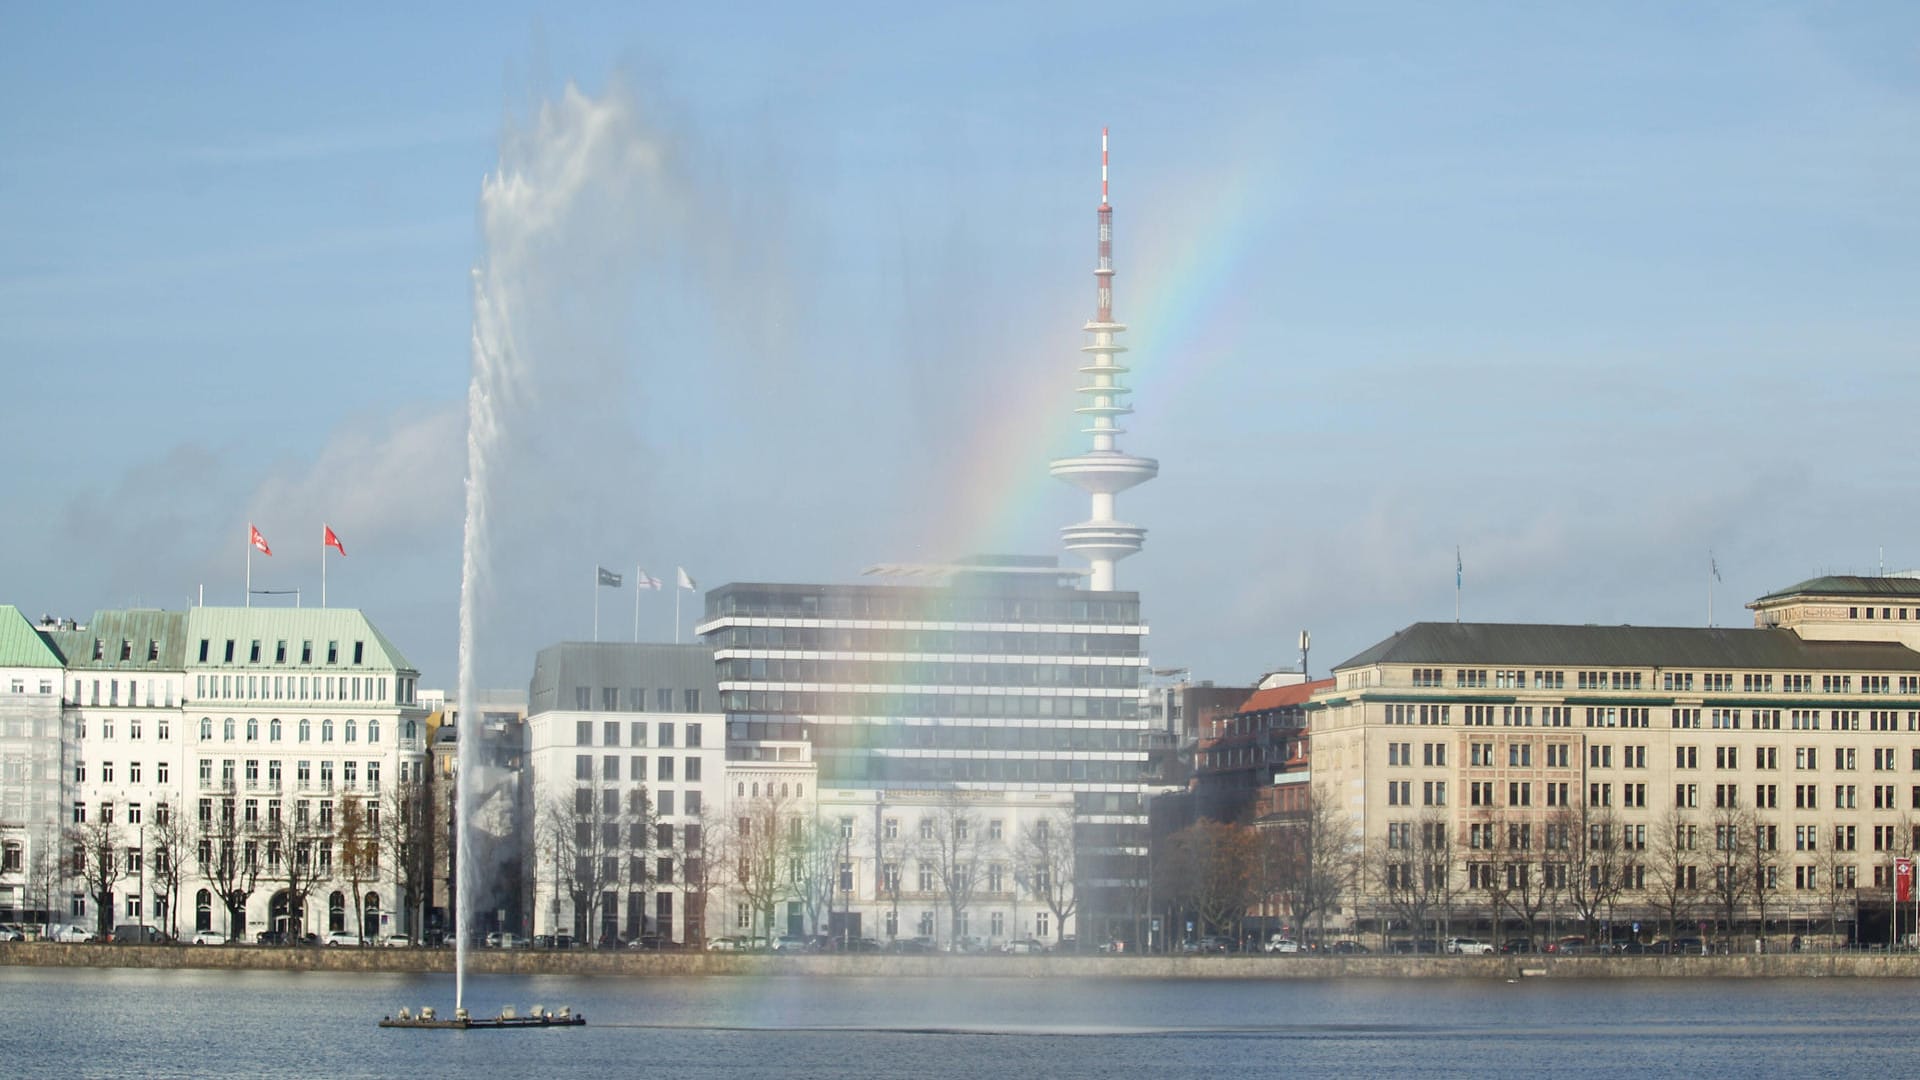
136,639
1874,588
269,626
21,646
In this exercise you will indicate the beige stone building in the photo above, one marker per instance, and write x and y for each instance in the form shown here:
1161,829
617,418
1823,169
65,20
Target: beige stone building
1658,776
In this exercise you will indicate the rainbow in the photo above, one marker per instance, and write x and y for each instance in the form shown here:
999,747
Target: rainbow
1192,311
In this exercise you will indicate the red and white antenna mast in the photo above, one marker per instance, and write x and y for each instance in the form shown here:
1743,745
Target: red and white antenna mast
1103,274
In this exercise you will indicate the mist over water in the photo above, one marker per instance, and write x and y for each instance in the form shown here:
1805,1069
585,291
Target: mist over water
583,205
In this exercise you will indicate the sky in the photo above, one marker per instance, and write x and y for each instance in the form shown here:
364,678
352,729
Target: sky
1581,292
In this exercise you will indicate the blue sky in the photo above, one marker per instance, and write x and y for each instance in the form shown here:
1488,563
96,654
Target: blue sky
1584,289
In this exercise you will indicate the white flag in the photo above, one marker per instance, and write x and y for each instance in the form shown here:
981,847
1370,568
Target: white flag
645,580
685,581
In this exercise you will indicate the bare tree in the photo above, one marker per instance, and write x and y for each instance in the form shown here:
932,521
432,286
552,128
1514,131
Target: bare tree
1208,869
1674,867
1043,864
957,849
1764,866
1529,887
168,844
358,839
1487,858
99,863
299,857
1594,861
406,843
47,872
220,849
1408,872
755,857
892,849
594,835
814,852
696,871
1313,859
1838,881
1732,862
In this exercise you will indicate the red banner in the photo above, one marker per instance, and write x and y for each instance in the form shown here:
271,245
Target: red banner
1903,880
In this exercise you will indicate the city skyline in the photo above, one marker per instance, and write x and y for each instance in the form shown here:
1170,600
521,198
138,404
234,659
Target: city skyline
1585,294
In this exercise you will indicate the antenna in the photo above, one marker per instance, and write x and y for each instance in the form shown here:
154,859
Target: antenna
1103,166
1306,641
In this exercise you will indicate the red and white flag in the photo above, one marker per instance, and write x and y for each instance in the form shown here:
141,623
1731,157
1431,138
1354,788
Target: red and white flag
259,542
1903,880
332,541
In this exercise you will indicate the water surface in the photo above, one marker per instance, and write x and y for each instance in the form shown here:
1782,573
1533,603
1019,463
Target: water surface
139,1023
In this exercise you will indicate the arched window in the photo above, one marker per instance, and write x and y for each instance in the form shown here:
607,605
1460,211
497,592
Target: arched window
273,730
306,730
253,729
370,918
353,731
337,911
740,789
756,789
226,729
206,727
799,791
326,730
203,910
408,732
373,731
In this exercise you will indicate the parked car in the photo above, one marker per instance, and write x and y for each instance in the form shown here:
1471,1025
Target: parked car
71,934
1024,947
723,944
1571,945
208,937
8,933
1348,948
136,934
499,940
911,945
1278,944
1466,946
396,941
343,937
791,943
270,937
1517,945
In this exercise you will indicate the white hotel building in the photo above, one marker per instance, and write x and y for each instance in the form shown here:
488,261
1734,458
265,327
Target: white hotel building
230,718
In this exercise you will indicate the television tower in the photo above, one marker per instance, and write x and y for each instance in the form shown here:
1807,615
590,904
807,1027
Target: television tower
1104,470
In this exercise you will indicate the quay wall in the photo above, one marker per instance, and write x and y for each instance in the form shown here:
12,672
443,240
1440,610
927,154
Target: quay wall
683,963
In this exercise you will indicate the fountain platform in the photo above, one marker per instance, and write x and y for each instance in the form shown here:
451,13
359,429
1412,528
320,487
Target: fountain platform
508,1018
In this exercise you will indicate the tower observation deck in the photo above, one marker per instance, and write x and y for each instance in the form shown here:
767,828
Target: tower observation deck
1104,470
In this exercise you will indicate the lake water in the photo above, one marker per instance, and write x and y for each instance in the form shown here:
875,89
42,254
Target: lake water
136,1023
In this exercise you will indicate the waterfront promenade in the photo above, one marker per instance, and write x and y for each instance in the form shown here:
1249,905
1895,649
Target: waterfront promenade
1090,966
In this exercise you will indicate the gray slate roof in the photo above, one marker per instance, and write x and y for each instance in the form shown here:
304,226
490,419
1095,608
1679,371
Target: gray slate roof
1549,645
625,667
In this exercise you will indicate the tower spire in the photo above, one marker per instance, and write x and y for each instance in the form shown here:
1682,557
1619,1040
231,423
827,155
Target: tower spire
1103,470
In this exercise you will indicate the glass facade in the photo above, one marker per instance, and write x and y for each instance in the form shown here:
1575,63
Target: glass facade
1002,679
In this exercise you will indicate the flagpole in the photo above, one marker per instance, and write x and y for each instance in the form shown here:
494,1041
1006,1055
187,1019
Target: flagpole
249,569
639,582
676,611
323,568
596,601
